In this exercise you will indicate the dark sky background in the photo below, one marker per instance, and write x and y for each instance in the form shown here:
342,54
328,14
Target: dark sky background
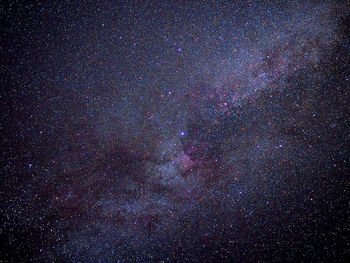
175,131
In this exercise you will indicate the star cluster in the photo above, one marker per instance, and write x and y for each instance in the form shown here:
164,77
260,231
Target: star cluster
175,131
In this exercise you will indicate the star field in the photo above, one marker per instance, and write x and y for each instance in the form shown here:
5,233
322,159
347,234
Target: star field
175,131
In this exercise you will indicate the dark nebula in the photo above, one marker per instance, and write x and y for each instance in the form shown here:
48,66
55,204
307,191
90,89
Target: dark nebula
175,131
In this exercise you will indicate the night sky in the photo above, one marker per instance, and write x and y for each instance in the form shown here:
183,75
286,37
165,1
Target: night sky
175,131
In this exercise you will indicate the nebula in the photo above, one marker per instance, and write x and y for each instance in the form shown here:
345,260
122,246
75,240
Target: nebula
167,131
